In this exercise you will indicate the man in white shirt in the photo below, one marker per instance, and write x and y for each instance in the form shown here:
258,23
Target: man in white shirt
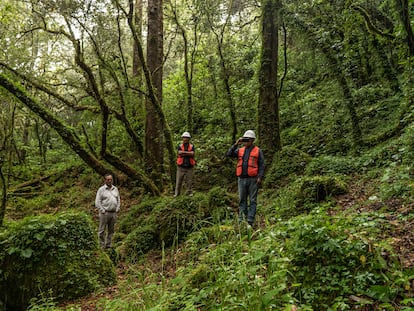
108,203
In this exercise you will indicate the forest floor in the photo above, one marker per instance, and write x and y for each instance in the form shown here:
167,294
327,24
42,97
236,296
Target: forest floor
393,211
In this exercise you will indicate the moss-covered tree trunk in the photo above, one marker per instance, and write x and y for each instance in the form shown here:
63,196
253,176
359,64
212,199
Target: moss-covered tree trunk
67,134
404,10
3,195
268,106
154,155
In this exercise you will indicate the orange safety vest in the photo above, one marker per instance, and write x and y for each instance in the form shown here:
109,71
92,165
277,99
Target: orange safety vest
180,159
253,162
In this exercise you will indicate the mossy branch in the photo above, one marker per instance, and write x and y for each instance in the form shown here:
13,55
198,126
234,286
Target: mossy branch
370,25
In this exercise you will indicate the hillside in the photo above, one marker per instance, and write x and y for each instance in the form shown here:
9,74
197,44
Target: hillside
159,268
363,235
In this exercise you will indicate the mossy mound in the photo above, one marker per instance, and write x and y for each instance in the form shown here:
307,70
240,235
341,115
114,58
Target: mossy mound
166,221
286,162
314,189
51,255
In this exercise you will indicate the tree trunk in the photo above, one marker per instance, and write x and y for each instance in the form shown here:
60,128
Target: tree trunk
137,21
268,106
3,195
64,131
154,155
404,13
70,137
137,72
189,56
153,99
228,92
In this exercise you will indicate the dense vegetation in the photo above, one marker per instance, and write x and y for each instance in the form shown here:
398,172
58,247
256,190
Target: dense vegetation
328,87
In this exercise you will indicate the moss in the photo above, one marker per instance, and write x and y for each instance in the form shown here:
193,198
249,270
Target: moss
318,188
286,162
200,275
326,165
167,220
138,242
138,214
51,254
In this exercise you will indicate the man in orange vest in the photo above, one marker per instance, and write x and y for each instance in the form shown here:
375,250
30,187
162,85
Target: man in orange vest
185,165
250,172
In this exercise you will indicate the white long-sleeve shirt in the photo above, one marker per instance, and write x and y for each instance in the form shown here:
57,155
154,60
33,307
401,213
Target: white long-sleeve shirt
107,199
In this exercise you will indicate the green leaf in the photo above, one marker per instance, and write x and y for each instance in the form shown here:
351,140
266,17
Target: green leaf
12,250
27,253
39,236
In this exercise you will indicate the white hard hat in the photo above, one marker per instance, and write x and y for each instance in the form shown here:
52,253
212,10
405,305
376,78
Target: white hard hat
249,134
186,134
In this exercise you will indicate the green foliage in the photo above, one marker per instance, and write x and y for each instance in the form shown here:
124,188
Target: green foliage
289,160
139,242
335,64
138,214
211,162
232,276
176,217
396,182
51,254
328,165
313,189
331,260
309,122
167,221
201,275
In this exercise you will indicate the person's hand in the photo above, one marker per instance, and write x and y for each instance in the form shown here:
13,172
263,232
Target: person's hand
259,181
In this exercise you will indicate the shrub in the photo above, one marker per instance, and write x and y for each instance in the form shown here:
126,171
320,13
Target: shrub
138,214
330,262
139,242
175,218
317,188
286,162
325,165
165,221
51,254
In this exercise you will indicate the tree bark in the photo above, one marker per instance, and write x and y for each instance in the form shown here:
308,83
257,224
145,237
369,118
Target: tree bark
153,99
154,155
3,195
404,13
67,134
268,106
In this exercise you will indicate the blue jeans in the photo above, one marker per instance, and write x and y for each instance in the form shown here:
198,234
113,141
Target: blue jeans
247,188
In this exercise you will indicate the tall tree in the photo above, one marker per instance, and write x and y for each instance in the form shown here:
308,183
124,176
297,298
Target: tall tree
154,155
268,106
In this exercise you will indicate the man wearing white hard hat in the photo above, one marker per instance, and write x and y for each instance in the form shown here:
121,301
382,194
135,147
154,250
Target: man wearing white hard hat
185,165
250,171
